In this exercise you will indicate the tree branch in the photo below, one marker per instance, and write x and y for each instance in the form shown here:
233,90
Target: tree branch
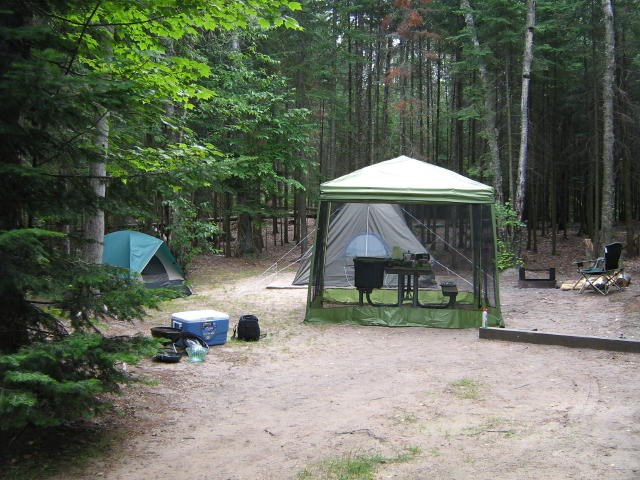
84,29
113,24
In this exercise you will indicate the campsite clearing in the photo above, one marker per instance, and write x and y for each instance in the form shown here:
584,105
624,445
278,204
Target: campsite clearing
430,403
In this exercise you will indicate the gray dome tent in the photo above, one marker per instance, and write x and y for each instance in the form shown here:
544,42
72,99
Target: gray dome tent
361,229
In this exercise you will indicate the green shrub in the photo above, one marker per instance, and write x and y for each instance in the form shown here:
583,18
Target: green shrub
190,236
54,366
509,235
54,382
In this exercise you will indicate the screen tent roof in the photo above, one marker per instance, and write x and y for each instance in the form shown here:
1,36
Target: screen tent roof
405,179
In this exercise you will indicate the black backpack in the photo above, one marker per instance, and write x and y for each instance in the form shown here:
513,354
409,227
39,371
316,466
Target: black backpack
247,328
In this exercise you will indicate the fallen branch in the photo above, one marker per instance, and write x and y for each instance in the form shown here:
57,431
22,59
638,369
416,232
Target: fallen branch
362,430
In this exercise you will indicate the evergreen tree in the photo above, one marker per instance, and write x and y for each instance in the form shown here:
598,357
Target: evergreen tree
66,69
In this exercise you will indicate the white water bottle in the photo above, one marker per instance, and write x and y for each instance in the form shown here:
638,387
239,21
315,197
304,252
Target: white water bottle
485,318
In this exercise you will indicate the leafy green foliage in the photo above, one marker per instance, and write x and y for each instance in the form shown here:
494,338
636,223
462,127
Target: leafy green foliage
190,236
66,68
129,42
253,119
509,235
50,383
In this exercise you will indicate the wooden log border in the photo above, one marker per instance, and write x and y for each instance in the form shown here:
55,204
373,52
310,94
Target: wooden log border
558,339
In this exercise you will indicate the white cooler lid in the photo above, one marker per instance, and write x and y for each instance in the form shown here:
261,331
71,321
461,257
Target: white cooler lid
199,315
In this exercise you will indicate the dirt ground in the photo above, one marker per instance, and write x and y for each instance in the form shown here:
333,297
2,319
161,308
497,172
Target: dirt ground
437,404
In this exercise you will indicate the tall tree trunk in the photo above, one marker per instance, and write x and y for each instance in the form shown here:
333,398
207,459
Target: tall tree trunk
438,106
607,206
632,246
489,104
300,201
246,245
330,169
226,222
370,117
511,182
350,157
376,147
457,136
552,190
524,109
421,126
403,110
385,100
94,221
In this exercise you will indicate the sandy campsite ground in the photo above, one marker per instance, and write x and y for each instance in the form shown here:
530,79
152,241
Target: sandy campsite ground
435,404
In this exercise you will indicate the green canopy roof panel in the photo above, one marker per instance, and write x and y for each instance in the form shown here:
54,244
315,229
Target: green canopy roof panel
405,179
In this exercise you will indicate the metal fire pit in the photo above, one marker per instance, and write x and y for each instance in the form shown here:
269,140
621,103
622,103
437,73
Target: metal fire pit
545,282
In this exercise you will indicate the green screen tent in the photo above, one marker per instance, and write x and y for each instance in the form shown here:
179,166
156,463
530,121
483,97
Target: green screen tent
453,218
145,255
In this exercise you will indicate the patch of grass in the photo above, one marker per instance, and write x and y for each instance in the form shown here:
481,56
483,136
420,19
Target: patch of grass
465,388
405,417
353,467
473,430
495,421
494,425
407,455
469,460
497,424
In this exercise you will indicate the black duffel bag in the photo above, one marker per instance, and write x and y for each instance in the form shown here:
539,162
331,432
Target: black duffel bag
247,328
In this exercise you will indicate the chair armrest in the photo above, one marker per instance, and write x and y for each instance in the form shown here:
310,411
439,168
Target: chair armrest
593,262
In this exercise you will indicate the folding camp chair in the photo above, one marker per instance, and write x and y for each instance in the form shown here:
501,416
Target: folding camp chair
604,271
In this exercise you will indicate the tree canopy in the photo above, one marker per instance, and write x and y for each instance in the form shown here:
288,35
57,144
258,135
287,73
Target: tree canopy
121,84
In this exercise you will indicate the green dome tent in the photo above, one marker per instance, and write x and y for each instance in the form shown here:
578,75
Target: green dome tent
143,254
452,217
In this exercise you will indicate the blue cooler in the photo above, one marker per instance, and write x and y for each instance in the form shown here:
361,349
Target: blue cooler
211,325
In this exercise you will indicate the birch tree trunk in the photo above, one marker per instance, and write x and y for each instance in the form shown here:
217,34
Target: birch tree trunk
607,209
94,223
489,103
527,59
